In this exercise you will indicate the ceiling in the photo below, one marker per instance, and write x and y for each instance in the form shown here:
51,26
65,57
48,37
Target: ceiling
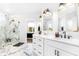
30,10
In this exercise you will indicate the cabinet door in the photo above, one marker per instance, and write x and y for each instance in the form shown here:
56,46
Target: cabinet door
49,51
54,51
40,40
38,45
34,38
63,53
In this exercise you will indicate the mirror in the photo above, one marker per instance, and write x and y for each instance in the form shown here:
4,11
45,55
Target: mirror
72,17
68,17
47,20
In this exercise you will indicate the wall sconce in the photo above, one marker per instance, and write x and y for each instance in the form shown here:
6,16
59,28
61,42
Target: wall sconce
47,12
44,12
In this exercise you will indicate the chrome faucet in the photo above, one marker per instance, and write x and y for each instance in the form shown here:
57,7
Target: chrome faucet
69,37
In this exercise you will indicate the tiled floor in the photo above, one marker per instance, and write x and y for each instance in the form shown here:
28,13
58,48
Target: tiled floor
24,50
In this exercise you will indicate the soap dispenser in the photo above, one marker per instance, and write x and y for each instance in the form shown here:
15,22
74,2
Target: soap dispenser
39,30
63,33
62,28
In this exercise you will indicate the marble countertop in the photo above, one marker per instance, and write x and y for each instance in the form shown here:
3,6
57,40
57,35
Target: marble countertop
72,40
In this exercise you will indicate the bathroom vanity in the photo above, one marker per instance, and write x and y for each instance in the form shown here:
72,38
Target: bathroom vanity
63,39
47,45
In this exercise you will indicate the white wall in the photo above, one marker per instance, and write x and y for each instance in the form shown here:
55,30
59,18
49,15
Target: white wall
30,10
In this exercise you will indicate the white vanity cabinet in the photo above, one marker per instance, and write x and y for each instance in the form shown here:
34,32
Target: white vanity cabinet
57,48
52,51
38,45
50,46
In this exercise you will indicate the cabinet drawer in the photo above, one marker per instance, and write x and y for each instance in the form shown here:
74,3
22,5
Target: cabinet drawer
38,50
34,53
40,40
34,40
38,53
37,47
